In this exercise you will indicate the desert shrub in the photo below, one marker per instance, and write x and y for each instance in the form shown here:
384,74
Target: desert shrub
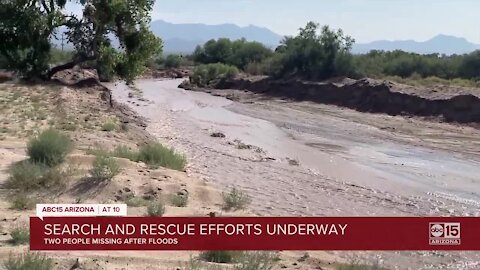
21,201
179,200
235,199
109,126
207,75
156,209
123,151
260,260
220,256
155,155
105,168
55,178
27,175
49,147
29,261
20,236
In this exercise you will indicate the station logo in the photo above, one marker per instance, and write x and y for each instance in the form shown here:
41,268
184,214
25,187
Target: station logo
442,233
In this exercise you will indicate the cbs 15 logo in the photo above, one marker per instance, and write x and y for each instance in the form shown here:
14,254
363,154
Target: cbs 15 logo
443,233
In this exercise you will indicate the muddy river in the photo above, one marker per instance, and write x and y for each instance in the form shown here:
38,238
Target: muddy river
301,158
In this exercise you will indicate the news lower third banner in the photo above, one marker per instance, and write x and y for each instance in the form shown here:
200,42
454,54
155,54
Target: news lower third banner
254,233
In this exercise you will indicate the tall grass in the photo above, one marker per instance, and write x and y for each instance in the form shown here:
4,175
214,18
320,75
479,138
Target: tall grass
153,154
123,151
156,155
20,236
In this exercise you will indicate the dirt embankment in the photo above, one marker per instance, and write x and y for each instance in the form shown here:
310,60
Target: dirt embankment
367,95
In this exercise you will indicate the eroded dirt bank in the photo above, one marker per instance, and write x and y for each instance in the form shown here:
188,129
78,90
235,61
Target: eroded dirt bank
304,158
367,95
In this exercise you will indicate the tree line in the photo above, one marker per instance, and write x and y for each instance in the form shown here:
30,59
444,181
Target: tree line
319,52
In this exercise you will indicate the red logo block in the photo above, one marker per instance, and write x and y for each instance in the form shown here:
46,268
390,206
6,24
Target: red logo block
442,233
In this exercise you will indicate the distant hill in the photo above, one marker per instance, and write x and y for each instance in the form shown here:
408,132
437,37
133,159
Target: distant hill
185,37
442,44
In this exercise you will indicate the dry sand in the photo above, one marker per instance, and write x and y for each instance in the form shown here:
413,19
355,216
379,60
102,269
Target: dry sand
80,112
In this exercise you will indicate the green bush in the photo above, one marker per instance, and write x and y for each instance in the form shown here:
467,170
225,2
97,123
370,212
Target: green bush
173,61
220,256
237,53
26,175
235,199
123,151
207,75
109,126
21,201
156,155
156,209
105,168
179,200
29,261
20,236
49,147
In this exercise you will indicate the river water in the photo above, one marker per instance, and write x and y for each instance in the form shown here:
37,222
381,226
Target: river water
300,158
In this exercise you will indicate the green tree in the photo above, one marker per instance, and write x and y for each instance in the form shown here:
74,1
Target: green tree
245,52
314,55
27,27
173,61
469,67
237,53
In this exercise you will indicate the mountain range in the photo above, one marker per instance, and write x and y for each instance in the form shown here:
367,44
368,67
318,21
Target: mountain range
183,38
442,44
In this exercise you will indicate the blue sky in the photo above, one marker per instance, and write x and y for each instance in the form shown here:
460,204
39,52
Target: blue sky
365,20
